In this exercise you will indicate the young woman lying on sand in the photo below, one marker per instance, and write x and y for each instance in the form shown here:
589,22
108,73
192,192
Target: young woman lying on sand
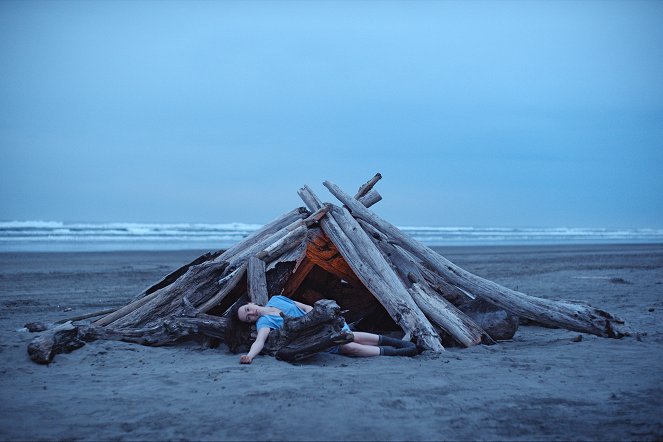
268,318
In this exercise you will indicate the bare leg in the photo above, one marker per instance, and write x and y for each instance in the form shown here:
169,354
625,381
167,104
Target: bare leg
360,350
366,338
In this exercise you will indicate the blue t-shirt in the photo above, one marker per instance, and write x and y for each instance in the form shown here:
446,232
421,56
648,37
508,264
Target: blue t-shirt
283,303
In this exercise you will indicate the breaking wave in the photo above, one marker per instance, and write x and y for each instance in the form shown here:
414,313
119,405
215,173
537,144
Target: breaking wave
61,236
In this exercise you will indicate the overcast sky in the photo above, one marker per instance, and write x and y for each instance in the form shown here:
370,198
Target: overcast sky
476,113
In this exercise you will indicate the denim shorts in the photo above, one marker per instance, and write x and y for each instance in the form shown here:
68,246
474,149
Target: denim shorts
336,350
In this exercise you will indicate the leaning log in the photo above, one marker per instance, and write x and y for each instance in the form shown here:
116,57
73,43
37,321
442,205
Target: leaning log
572,315
442,313
407,264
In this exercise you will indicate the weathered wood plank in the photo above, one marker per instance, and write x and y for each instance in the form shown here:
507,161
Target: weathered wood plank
295,255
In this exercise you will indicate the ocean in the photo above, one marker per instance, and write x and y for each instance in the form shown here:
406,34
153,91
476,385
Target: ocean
55,236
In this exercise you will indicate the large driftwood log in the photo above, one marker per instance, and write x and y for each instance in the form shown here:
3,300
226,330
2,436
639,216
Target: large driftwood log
374,272
194,280
301,337
267,230
571,315
68,337
195,276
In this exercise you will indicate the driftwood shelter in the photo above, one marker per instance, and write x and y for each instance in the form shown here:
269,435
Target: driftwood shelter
378,277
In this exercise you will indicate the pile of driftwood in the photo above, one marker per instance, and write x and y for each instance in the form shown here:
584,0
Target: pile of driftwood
377,276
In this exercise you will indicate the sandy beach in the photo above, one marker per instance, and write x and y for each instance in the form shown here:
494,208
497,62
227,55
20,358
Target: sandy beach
545,384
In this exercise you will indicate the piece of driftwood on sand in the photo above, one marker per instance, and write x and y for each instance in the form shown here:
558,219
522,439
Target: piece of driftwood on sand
376,274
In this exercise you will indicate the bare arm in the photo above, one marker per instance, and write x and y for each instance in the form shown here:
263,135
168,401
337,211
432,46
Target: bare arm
256,347
307,308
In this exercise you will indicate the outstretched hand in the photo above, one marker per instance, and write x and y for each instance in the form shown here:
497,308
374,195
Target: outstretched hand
245,359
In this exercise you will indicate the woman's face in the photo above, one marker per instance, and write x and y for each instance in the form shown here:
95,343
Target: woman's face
248,313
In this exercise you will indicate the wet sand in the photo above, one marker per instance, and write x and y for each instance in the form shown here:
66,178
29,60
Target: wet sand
542,385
